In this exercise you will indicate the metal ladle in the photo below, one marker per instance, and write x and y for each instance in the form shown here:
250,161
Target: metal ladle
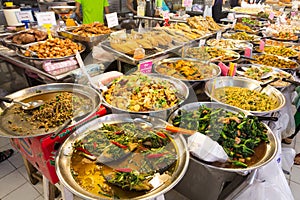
25,106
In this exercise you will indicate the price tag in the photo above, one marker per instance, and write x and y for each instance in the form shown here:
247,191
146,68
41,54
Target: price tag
248,52
202,42
24,15
234,23
232,69
112,19
281,9
261,45
293,14
166,15
224,69
145,67
187,3
45,18
271,15
219,34
231,16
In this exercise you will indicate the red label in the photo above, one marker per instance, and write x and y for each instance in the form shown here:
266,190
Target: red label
262,45
224,69
248,52
271,16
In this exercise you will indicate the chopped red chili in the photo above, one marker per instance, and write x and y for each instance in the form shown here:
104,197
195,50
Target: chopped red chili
119,144
123,170
83,150
160,134
155,155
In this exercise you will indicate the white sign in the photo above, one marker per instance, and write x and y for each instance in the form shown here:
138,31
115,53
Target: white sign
219,34
202,42
112,19
45,18
24,15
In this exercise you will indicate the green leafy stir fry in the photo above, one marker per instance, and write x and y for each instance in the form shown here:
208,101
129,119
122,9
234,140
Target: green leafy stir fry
236,133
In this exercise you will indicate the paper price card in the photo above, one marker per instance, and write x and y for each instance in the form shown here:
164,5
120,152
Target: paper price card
187,3
224,69
271,15
145,67
261,45
232,69
112,19
219,34
201,42
45,18
248,52
24,15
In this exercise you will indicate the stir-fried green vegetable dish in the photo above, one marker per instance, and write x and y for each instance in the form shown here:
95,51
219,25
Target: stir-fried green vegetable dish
236,133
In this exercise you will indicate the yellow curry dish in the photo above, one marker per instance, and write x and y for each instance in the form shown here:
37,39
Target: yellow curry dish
245,98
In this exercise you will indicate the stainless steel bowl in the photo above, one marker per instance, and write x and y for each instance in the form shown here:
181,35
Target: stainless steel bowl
216,71
242,82
63,159
272,146
183,93
41,92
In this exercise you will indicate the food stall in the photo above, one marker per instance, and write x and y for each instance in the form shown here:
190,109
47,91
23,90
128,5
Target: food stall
189,70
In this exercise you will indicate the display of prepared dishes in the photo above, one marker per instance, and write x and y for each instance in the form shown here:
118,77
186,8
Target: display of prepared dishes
205,24
91,30
57,108
145,93
243,137
274,61
115,158
187,69
26,37
242,27
228,44
285,36
214,54
241,36
246,94
266,73
55,48
279,51
155,39
269,42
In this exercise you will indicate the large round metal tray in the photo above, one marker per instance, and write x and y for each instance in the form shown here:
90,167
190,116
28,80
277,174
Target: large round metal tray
182,92
242,82
275,71
272,146
196,52
228,35
63,159
19,52
40,92
280,58
215,69
237,44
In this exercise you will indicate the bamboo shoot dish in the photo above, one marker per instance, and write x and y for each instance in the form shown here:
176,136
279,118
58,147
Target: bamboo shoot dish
243,138
136,155
274,61
245,98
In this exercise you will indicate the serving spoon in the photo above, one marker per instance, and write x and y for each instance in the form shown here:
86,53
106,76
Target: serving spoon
25,106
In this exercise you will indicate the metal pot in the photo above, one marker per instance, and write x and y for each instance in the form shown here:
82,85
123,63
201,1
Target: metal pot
42,92
63,159
242,82
272,146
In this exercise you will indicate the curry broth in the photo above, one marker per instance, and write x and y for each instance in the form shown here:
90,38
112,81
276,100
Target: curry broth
90,175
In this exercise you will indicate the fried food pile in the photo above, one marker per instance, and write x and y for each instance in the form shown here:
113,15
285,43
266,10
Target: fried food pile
54,48
91,30
148,40
206,24
29,36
